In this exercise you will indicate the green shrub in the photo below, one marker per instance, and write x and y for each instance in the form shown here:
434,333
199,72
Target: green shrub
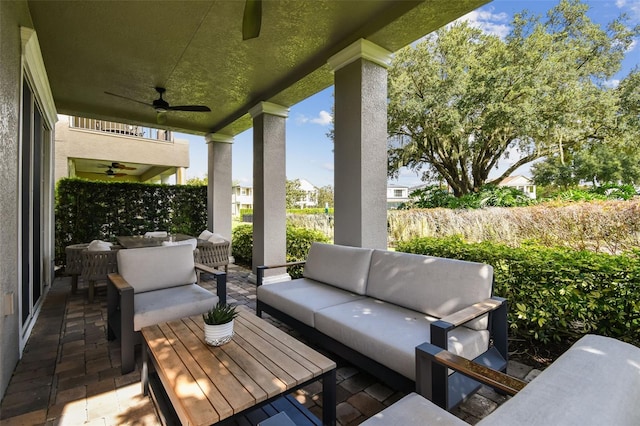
554,294
298,243
242,243
89,210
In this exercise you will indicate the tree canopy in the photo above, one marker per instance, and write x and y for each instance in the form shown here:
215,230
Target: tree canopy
462,100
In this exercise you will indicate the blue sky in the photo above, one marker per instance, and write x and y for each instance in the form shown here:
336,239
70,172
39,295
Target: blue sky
310,151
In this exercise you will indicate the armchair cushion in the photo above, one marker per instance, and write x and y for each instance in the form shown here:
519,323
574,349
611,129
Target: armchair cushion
340,266
449,284
172,303
154,268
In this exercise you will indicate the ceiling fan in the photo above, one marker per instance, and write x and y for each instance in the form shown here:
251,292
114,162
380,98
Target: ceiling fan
110,173
161,106
116,165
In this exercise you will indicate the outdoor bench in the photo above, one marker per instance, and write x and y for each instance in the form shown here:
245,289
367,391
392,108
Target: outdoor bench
596,382
373,307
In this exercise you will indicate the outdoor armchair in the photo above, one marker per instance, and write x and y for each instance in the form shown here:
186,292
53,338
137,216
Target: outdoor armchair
155,285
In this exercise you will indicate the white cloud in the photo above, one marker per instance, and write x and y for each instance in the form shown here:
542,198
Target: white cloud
328,166
489,22
323,119
612,83
632,46
621,3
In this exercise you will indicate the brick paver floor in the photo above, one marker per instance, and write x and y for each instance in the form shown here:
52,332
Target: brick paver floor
70,374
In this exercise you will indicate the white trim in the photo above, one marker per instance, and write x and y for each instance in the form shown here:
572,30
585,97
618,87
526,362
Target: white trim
34,65
218,137
361,49
269,108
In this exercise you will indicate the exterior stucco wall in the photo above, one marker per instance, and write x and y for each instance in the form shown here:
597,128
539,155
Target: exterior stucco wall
13,14
87,144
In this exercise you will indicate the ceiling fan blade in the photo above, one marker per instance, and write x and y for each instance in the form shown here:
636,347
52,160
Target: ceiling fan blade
121,166
194,108
251,19
128,98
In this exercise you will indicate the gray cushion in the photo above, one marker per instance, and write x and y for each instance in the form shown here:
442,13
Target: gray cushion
154,307
340,266
414,410
302,297
154,268
596,382
389,334
431,285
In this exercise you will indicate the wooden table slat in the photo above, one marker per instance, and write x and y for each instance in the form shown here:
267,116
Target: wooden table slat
295,355
187,398
308,353
205,367
255,378
280,366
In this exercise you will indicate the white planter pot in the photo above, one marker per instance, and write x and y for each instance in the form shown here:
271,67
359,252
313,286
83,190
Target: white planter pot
216,335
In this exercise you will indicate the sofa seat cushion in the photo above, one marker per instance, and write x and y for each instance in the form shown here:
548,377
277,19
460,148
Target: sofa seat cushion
596,382
340,266
389,333
301,298
432,285
153,268
154,307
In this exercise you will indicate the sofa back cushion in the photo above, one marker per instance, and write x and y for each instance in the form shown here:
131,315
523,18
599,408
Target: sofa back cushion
340,266
432,285
152,268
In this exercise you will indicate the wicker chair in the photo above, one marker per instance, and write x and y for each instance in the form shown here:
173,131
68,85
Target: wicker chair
213,255
96,265
73,265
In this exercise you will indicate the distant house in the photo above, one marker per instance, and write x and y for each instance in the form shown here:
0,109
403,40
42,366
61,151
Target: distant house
521,183
310,198
396,195
241,198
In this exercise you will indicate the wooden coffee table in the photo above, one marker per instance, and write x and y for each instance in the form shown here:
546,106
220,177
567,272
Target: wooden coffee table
205,385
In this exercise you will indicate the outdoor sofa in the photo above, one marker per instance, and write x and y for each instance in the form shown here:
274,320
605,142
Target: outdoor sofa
373,307
596,382
154,285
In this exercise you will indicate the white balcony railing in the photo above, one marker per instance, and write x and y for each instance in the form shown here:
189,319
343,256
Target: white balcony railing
120,129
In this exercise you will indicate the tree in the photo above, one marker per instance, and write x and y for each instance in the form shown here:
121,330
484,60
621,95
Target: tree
325,196
198,181
462,100
293,193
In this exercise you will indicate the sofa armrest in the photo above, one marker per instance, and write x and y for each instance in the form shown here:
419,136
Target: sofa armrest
429,353
118,282
471,312
260,269
221,281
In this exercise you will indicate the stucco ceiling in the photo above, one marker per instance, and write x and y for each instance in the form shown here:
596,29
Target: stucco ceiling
195,50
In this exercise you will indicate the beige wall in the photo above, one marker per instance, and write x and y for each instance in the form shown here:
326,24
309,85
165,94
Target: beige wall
96,145
13,14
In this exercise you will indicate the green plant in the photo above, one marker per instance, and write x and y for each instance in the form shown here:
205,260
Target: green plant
555,294
298,243
220,314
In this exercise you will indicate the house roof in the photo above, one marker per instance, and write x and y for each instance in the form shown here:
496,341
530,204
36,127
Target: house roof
515,180
195,50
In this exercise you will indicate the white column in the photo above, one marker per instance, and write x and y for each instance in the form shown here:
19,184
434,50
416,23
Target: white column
219,183
360,157
269,180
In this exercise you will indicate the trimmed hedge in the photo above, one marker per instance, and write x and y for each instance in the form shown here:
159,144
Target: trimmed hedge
89,210
298,243
555,294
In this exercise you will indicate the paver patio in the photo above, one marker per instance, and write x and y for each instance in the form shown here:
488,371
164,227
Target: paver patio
70,373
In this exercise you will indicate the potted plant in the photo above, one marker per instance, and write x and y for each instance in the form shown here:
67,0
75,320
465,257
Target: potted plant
218,324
